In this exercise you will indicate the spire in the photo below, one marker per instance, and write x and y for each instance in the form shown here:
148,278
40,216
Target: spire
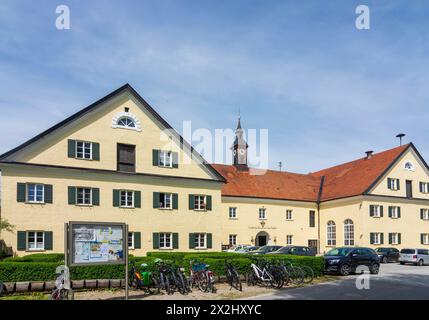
239,123
239,148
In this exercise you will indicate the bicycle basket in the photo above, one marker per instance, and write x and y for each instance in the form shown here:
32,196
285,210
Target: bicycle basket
198,267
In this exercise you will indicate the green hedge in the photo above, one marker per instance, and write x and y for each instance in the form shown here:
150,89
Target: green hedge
32,267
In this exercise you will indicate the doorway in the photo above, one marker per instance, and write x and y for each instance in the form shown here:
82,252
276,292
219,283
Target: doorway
261,239
409,189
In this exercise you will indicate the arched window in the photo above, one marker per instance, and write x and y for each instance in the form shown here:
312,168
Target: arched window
126,122
332,233
349,233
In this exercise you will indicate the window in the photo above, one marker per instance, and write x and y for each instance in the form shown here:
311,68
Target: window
262,214
409,166
165,158
130,240
126,122
424,187
393,184
83,196
332,233
376,238
199,202
312,216
289,215
394,238
35,193
200,240
233,213
349,233
232,239
424,214
376,211
425,238
289,239
35,240
165,241
165,201
127,199
83,150
394,212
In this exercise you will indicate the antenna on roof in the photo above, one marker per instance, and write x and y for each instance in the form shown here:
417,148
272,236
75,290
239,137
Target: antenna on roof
280,165
400,136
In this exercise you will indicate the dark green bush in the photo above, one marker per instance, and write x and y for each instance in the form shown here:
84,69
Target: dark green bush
37,257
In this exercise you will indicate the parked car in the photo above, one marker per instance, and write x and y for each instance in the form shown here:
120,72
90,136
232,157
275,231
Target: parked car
388,254
295,250
238,248
418,257
246,249
265,249
346,260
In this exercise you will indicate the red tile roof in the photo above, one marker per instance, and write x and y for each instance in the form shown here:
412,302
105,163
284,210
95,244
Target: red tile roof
345,180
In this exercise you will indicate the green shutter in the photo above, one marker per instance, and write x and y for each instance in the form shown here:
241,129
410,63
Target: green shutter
399,238
72,195
371,238
381,211
191,202
422,214
191,241
209,202
72,148
371,210
390,238
175,201
399,184
421,238
20,192
209,241
399,212
175,241
22,241
156,200
137,240
95,151
381,238
155,157
48,240
116,198
155,240
175,160
48,193
95,196
137,199
390,211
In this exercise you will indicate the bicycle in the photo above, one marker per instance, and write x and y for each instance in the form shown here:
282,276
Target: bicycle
163,276
308,274
201,277
264,273
181,281
292,273
232,276
143,281
61,291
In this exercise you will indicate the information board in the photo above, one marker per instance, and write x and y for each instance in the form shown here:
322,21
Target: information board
96,243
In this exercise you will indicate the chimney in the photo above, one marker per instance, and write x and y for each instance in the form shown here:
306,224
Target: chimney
369,154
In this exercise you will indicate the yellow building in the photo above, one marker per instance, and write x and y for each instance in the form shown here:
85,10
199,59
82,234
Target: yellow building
118,161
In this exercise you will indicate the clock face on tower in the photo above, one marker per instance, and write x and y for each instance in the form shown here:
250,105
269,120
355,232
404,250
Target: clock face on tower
241,152
234,152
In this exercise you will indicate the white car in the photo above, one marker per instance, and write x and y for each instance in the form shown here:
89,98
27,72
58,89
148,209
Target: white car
419,257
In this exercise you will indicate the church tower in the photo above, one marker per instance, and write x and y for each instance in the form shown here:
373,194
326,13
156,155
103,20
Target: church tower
239,148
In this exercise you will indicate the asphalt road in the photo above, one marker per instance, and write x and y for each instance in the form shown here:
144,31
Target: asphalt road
392,283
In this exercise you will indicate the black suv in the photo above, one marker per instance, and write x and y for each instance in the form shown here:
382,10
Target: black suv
295,250
346,260
388,254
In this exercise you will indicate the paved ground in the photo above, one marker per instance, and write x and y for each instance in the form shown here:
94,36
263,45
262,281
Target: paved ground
393,282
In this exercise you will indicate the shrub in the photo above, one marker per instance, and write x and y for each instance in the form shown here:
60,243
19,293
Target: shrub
38,257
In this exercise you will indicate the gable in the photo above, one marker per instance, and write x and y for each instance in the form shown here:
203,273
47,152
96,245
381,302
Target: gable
96,123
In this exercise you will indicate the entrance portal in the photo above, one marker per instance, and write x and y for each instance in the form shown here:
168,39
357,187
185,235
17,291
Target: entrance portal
262,239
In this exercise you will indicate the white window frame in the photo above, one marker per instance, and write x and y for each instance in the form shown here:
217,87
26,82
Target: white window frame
377,238
425,188
395,238
232,213
349,232
126,198
377,211
331,230
132,240
163,237
289,215
198,237
35,241
165,195
165,159
232,239
425,238
289,239
425,214
90,196
84,146
262,214
129,119
394,184
394,212
27,192
197,203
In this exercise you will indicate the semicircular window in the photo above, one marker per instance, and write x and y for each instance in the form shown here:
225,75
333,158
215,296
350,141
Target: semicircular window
126,122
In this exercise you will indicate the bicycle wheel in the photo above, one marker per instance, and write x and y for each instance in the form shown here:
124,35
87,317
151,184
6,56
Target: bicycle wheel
251,278
236,281
297,275
66,294
181,284
166,284
308,274
156,285
202,282
55,295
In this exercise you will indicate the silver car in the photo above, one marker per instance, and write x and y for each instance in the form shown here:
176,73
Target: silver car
418,257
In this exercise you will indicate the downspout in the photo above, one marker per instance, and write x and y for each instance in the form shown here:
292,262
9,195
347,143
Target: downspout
319,197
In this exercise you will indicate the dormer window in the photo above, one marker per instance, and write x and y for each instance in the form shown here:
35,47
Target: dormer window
126,122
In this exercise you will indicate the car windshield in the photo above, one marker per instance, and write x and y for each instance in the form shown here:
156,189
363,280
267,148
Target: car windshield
341,252
408,251
381,250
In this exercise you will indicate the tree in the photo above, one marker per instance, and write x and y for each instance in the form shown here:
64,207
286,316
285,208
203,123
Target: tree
6,225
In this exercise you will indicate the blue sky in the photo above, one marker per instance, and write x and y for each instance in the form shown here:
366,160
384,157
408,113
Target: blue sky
326,91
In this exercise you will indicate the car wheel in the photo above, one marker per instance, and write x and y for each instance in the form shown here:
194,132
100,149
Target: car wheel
384,260
420,263
401,263
375,268
345,270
